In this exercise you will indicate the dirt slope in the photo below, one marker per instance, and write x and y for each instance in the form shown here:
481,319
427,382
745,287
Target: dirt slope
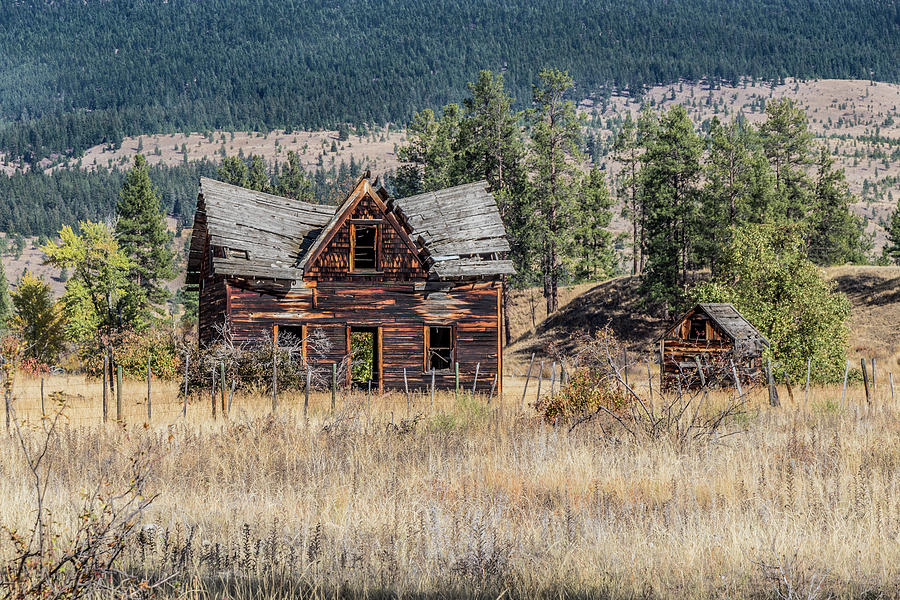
874,294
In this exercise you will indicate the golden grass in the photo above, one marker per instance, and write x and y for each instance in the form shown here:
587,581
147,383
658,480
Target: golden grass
487,500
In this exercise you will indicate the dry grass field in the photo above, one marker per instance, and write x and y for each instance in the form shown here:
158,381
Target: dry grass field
476,500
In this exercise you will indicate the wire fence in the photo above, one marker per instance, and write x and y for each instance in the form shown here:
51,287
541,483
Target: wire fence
85,401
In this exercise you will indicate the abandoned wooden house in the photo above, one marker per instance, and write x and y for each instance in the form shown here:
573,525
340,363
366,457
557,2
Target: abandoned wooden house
417,281
705,342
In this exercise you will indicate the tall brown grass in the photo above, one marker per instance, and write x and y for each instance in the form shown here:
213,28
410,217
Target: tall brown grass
471,499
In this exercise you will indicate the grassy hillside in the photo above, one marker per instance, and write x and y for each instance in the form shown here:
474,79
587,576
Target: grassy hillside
874,294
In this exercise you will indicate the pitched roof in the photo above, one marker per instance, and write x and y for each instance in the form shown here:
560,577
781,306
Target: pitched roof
747,339
457,232
265,235
458,221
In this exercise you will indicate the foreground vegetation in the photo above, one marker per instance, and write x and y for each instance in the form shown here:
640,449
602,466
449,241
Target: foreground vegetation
471,499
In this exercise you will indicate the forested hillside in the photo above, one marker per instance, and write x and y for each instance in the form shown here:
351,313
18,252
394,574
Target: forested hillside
74,73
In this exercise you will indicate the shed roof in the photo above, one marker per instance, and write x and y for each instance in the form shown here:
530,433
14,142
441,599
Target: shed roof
747,339
456,232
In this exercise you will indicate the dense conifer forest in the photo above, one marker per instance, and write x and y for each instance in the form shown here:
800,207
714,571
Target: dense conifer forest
74,73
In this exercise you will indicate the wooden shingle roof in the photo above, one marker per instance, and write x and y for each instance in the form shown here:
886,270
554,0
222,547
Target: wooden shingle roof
748,341
457,232
264,235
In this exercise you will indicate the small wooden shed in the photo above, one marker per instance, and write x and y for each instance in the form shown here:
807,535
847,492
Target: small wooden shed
705,342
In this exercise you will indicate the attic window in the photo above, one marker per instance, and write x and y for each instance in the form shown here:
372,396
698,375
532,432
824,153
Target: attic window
698,329
364,247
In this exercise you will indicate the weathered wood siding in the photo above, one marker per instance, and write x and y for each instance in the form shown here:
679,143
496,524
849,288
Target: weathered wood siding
212,300
402,314
395,260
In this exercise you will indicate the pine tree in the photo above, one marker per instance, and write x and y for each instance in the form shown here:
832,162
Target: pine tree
627,151
787,143
432,153
669,182
257,178
233,171
293,181
5,305
892,249
555,154
142,236
739,186
592,255
834,234
492,149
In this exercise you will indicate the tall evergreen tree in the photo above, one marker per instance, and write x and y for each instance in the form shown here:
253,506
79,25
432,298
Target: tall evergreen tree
293,182
142,235
833,234
738,186
592,255
669,179
555,154
233,171
892,249
257,178
492,149
432,153
627,149
5,305
788,145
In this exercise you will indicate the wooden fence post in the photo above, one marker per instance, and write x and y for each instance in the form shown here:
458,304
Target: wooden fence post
274,375
187,362
650,380
493,386
865,376
213,392
891,378
306,393
456,365
406,389
552,377
808,367
625,366
119,393
432,390
844,389
333,386
369,401
540,380
149,401
42,400
222,394
231,395
737,380
105,385
527,377
773,393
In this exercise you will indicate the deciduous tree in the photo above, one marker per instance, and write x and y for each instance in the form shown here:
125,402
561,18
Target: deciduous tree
38,319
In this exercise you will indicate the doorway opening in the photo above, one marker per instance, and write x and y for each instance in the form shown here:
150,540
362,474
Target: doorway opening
364,357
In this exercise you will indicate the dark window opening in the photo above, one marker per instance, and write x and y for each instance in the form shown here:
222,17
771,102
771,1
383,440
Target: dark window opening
440,348
698,329
364,251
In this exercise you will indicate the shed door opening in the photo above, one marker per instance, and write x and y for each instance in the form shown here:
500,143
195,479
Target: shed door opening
365,241
440,348
363,354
